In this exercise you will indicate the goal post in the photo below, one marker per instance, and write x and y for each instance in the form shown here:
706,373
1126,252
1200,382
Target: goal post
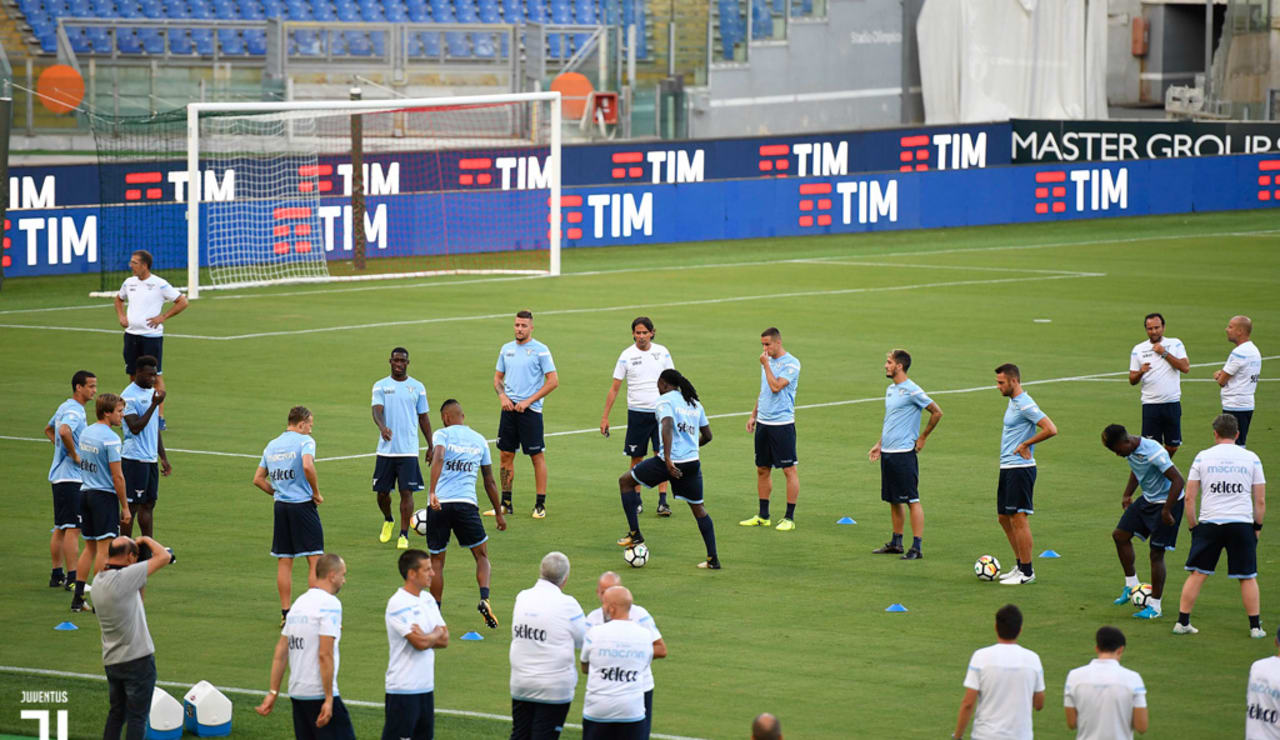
453,185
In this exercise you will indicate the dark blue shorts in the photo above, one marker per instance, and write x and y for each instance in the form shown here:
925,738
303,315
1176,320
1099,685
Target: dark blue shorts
592,730
136,346
388,471
1143,519
532,720
1243,418
141,481
1208,541
305,712
899,477
1163,423
522,430
460,519
775,445
66,505
1015,494
409,716
688,487
642,430
297,531
99,515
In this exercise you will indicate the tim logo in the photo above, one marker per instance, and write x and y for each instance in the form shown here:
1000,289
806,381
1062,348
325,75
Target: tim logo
146,186
137,179
773,159
41,716
7,261
571,212
1094,190
860,202
958,151
1268,185
315,178
665,166
295,221
475,171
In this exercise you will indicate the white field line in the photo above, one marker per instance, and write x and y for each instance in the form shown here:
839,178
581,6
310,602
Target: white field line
659,268
1095,377
1184,380
908,265
258,692
594,309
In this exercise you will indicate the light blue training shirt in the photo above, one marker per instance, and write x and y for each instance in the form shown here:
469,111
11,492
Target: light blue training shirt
401,402
64,469
143,446
903,403
465,451
775,409
524,368
686,421
283,460
1020,419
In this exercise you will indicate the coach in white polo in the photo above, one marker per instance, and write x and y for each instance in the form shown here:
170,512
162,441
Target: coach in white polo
547,628
1238,377
642,617
1233,487
615,656
639,365
1103,700
143,322
1004,683
415,631
1158,364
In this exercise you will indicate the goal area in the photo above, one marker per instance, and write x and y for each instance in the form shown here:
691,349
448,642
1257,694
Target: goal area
317,191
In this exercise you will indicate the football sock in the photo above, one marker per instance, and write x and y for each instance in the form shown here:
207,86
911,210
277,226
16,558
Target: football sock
484,592
404,533
1154,603
389,517
542,500
80,590
630,500
708,531
1131,582
506,497
284,613
915,544
57,573
1184,618
764,508
1255,621
662,498
896,539
791,511
71,576
1025,568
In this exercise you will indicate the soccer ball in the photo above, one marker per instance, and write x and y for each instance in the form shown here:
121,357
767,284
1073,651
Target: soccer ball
419,521
987,568
636,555
1140,595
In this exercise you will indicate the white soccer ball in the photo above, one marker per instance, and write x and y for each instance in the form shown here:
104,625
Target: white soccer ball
1140,595
987,568
636,555
419,521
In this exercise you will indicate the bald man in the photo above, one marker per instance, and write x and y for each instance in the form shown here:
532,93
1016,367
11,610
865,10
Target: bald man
640,616
615,656
1238,378
766,727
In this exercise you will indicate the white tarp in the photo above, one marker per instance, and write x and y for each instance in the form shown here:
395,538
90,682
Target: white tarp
992,60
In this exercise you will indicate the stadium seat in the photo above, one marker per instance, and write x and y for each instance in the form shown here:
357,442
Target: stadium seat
585,11
458,44
202,40
255,40
179,42
152,41
419,14
48,42
372,12
99,39
226,12
430,43
308,42
127,41
230,42
78,40
323,11
761,20
357,43
348,13
379,41
396,13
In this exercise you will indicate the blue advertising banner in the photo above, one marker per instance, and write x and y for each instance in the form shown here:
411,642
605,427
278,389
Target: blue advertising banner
46,241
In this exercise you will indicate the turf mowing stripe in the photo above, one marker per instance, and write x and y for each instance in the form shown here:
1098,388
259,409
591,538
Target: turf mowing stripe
258,692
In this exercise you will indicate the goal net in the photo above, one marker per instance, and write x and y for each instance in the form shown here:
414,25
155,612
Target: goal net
309,191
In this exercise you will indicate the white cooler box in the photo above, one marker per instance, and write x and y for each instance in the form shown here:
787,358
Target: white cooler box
208,711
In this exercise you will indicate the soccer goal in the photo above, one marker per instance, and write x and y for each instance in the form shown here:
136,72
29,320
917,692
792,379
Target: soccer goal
312,191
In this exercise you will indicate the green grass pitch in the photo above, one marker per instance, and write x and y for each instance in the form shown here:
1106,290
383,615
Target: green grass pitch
795,624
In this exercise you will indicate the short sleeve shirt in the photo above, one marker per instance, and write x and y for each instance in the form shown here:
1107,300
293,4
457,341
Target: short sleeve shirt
1104,695
1006,677
1149,463
1244,364
617,653
687,419
283,460
547,629
903,404
410,670
642,617
776,409
465,451
99,447
1163,382
145,445
315,614
64,469
117,598
1262,718
524,368
401,402
1020,419
641,370
146,299
1227,474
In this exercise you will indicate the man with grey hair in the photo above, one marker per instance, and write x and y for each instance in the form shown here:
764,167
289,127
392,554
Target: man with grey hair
642,617
766,727
547,627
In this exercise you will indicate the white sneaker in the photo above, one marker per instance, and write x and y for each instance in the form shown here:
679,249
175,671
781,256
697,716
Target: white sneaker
1185,629
1257,632
1011,574
1019,579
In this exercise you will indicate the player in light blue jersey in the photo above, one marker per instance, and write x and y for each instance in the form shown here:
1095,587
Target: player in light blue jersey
900,440
524,376
400,409
64,430
103,507
1154,517
460,455
1025,425
143,445
685,429
287,473
773,421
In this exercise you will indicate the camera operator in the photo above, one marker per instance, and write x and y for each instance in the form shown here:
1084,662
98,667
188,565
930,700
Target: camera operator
128,655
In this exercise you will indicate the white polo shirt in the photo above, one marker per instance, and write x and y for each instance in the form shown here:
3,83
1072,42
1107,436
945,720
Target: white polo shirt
1227,474
409,670
1262,720
641,371
146,299
616,653
547,628
1104,695
1163,382
314,614
1005,677
642,617
1245,365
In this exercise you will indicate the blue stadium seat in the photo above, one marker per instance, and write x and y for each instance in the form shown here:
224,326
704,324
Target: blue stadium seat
397,13
152,41
230,42
466,11
430,43
730,25
323,11
379,41
490,14
48,42
127,41
99,39
419,14
560,12
585,10
307,42
226,12
152,9
202,40
348,13
372,12
801,7
179,42
458,44
78,40
358,43
255,40
484,46
761,20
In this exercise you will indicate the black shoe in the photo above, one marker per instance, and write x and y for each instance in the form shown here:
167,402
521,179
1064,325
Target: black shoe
80,605
631,539
486,611
912,554
69,585
888,549
56,581
710,564
664,510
